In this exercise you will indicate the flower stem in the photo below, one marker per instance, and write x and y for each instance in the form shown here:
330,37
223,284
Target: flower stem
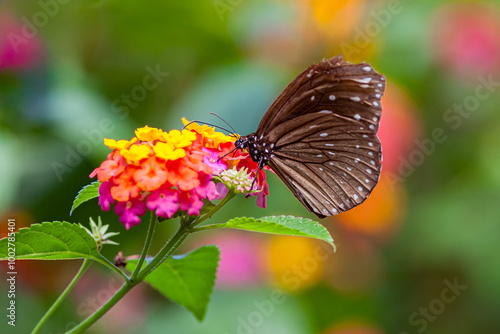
147,244
86,263
139,274
206,227
229,196
162,255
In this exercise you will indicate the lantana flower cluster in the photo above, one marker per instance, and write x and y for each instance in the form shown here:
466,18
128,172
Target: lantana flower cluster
170,171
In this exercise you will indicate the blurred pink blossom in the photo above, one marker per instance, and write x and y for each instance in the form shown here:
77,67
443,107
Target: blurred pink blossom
19,44
399,128
466,38
241,262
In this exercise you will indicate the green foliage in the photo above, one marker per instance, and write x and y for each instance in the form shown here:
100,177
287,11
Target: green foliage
52,241
186,279
285,225
87,193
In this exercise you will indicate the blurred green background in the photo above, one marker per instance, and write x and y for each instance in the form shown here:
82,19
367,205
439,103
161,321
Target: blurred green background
418,257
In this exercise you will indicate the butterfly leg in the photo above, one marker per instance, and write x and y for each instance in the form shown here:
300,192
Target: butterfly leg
261,164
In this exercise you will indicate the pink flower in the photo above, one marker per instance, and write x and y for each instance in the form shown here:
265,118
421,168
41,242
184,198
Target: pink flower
261,197
213,160
130,211
190,202
164,202
105,198
207,188
221,190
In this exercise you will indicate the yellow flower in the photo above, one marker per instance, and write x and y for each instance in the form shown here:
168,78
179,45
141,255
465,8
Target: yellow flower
180,139
211,137
121,144
136,153
167,151
149,134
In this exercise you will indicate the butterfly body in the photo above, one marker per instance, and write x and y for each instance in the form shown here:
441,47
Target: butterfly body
320,136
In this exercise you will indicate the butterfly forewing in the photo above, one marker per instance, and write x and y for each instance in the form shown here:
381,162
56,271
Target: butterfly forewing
345,89
319,136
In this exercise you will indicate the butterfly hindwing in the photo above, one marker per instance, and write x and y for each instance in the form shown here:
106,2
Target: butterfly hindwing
338,165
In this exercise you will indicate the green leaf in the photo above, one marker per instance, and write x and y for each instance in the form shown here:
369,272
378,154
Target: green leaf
52,241
285,225
87,193
186,279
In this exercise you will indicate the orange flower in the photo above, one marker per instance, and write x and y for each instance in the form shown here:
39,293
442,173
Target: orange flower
151,175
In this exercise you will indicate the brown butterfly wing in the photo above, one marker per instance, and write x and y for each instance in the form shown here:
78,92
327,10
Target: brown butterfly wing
323,127
347,89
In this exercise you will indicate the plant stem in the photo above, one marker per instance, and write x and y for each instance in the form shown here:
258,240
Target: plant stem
86,263
162,255
206,227
209,214
111,266
147,244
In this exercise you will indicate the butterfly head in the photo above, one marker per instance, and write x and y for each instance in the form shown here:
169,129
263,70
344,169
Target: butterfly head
259,150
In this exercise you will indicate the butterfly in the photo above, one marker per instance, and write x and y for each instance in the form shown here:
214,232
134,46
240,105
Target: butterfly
320,136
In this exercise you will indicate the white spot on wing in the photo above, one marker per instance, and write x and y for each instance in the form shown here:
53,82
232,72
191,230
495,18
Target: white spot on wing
367,68
332,97
325,112
360,188
323,134
356,98
357,117
313,97
370,144
375,103
330,145
355,197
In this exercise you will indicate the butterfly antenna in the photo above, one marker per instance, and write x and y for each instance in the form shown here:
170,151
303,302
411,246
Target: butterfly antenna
209,124
214,114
